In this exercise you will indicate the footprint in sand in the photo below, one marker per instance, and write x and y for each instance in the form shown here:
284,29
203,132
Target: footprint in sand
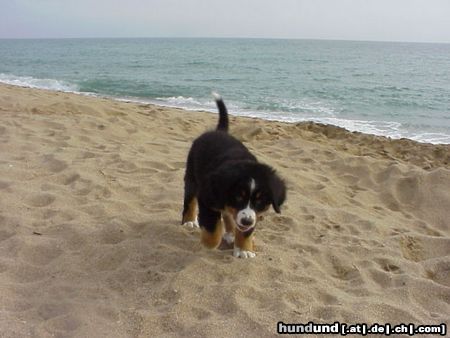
40,200
327,298
201,314
388,265
27,273
110,259
126,167
53,165
70,178
411,248
50,310
407,190
55,125
4,185
438,270
283,223
112,233
342,270
41,254
86,155
64,324
4,235
390,201
82,187
13,304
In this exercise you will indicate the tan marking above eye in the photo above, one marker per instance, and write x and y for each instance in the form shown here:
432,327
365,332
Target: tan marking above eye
258,195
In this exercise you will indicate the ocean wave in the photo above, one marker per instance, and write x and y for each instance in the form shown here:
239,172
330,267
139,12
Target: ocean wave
32,82
190,103
181,101
304,106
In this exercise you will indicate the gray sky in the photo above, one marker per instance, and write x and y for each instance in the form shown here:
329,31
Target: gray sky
386,20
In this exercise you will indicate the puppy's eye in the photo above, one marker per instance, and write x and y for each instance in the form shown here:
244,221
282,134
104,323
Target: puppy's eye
241,196
259,203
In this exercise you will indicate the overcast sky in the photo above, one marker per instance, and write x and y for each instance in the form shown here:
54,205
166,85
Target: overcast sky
385,20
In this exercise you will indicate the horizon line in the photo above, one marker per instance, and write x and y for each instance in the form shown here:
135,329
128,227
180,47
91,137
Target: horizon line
220,38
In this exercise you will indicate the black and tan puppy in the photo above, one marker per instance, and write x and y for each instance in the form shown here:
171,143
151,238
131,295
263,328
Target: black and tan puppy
226,181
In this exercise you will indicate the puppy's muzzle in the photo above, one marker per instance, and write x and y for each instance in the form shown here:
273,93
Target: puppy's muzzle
245,219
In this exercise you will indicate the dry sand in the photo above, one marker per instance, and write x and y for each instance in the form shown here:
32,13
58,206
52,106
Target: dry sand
91,246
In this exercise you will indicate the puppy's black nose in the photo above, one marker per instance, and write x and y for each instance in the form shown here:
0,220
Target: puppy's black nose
247,221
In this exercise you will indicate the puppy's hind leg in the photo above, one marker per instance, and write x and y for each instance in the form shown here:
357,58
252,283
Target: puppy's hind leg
212,227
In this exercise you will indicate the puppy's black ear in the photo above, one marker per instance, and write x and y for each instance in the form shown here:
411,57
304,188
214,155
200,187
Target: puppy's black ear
278,190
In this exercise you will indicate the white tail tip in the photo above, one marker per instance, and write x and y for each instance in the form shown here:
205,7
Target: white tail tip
217,96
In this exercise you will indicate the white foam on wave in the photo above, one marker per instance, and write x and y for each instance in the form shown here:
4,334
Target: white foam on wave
394,130
32,82
380,128
306,105
190,103
435,138
182,102
325,114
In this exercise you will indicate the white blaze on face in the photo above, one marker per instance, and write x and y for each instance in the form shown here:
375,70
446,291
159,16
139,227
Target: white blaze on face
246,218
252,186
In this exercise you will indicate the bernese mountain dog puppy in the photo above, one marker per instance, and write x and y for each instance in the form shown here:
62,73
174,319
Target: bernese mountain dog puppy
227,183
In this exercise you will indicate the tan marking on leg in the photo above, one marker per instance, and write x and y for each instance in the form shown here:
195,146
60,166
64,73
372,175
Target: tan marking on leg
212,240
229,223
245,243
191,214
231,211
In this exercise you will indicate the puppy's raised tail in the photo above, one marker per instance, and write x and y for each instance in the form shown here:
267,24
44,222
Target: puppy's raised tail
223,113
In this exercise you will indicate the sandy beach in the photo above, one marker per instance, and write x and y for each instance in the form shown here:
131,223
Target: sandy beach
91,243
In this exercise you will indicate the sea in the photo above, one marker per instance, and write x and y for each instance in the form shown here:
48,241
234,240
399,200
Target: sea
399,90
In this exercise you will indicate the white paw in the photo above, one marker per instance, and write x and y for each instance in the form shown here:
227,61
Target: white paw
242,253
228,237
192,225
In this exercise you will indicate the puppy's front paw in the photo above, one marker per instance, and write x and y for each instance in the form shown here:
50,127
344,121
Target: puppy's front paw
192,225
238,253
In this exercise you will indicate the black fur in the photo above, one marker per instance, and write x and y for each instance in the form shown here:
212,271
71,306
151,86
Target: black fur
218,170
223,115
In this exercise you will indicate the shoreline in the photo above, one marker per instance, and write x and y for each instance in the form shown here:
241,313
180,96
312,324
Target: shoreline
92,193
199,106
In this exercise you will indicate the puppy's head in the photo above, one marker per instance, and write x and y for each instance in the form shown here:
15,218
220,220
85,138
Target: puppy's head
247,189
